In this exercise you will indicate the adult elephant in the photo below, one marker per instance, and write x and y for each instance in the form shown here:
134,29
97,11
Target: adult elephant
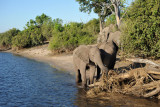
109,50
87,56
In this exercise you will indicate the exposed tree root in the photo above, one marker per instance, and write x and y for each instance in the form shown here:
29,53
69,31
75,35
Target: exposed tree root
138,82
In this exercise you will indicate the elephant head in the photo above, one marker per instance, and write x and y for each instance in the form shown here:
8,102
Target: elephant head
115,37
104,34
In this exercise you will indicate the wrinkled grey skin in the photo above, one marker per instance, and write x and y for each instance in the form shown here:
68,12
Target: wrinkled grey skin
104,34
87,56
109,50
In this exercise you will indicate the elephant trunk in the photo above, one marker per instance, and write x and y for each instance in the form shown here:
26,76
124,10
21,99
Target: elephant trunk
98,61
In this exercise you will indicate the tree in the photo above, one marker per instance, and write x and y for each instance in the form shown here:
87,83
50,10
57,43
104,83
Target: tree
6,37
141,34
41,19
103,8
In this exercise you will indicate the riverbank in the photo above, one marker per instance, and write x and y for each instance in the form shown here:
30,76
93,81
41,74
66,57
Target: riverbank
64,62
41,53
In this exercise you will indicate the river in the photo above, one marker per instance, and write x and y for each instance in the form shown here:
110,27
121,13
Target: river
28,83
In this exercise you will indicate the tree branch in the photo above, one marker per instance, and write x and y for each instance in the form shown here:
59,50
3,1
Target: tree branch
144,61
154,92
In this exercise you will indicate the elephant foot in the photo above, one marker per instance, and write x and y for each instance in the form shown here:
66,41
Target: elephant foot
81,85
84,85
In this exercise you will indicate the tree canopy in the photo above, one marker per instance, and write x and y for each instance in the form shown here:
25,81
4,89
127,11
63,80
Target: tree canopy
103,8
142,29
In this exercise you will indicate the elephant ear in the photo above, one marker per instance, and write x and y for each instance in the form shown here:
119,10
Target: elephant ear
83,53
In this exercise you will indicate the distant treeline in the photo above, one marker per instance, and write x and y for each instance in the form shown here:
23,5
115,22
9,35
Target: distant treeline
43,28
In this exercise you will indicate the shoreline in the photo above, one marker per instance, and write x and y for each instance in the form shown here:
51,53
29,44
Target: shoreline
64,62
42,54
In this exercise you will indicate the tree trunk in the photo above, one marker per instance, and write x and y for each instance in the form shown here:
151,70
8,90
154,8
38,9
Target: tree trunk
101,24
117,14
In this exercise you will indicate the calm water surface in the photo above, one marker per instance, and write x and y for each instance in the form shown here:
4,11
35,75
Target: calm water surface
28,83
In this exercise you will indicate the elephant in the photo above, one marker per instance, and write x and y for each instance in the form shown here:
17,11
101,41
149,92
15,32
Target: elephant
104,34
87,56
109,50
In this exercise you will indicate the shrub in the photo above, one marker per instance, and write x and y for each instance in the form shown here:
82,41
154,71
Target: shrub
141,33
6,37
22,40
71,37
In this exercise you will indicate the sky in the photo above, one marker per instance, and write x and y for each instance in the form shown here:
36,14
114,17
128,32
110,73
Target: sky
16,13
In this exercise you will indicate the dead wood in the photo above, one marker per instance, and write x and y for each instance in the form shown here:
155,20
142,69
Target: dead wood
152,93
143,61
153,72
155,76
138,82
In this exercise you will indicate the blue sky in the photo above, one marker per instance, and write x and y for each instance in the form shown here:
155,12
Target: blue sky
16,13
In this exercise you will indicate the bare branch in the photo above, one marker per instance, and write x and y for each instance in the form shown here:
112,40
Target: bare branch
154,92
143,61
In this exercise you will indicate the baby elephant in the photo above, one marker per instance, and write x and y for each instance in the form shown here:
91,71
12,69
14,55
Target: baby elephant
87,56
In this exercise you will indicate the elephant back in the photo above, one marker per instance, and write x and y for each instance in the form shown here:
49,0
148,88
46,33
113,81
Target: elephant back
82,52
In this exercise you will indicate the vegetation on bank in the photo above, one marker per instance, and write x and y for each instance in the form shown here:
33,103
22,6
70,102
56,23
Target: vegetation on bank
61,37
73,35
140,28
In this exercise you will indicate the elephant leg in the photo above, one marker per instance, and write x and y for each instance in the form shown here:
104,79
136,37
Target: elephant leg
113,64
83,73
78,75
98,73
92,73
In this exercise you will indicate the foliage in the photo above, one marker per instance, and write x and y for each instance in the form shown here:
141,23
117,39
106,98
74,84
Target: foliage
21,40
103,8
110,20
6,37
141,32
37,31
43,28
41,19
96,5
71,36
92,26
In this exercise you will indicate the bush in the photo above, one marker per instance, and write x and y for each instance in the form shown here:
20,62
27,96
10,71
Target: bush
6,37
22,40
141,32
71,37
92,27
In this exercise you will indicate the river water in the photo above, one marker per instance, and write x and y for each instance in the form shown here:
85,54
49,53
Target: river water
28,83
